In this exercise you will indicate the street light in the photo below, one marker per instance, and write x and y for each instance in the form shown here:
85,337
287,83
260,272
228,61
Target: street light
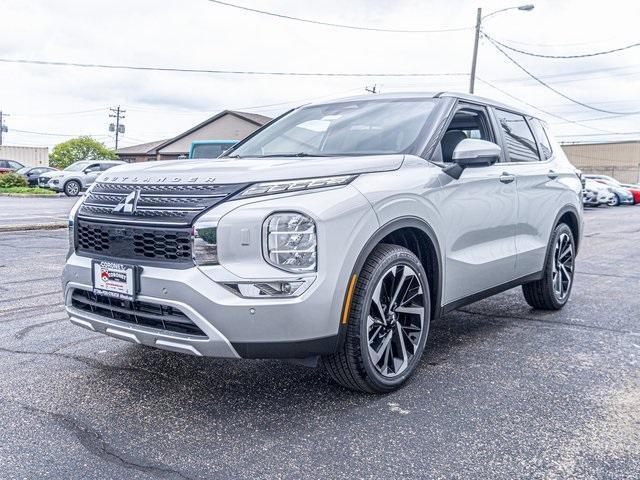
479,18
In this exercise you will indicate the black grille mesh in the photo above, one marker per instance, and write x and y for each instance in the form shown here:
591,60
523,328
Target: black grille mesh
134,243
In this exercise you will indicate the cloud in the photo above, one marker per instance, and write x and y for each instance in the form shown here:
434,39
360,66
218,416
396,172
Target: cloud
202,34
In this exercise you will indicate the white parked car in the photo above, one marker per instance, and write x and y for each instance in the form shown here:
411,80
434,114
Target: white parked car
76,177
596,194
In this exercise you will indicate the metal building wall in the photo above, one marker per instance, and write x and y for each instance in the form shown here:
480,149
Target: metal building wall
620,160
29,156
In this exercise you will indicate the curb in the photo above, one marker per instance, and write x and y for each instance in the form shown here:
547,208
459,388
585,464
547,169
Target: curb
33,226
30,195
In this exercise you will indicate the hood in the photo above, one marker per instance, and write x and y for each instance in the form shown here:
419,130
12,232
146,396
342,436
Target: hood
596,186
53,174
248,170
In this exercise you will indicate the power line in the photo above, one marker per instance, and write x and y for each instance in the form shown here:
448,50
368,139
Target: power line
564,119
338,25
54,134
223,72
546,85
48,114
555,45
585,55
595,119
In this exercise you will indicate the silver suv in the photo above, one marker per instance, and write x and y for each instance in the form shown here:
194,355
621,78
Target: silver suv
76,177
334,235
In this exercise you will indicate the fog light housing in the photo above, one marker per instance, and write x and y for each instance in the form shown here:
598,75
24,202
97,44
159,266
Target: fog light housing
271,288
205,244
290,242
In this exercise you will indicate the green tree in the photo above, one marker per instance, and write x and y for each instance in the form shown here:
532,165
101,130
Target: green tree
76,149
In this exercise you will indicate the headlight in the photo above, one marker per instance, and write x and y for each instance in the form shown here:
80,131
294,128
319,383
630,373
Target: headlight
269,188
205,244
290,243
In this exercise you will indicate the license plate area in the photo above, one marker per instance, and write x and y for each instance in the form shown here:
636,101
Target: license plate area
115,280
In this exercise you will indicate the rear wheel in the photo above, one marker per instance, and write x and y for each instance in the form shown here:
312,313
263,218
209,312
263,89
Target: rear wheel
615,201
388,323
72,188
553,290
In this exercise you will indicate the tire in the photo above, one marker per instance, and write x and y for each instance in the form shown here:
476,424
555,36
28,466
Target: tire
547,293
615,201
72,188
384,330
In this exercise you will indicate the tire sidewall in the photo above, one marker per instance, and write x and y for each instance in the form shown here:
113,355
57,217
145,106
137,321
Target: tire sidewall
401,258
562,228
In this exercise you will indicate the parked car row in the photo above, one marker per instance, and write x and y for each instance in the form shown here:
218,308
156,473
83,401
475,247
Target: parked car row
604,190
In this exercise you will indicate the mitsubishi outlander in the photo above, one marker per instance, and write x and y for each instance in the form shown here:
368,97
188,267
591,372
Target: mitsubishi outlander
334,235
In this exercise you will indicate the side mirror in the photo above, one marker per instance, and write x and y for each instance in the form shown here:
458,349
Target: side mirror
472,152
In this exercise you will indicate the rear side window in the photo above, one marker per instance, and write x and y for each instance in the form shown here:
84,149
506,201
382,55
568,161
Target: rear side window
543,139
518,137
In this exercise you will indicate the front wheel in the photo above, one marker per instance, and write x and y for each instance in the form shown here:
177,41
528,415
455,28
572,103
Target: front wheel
388,323
553,290
72,188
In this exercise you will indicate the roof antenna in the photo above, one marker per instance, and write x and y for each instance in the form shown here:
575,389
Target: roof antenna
373,89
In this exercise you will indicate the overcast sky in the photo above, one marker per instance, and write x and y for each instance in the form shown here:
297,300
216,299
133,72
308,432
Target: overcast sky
205,35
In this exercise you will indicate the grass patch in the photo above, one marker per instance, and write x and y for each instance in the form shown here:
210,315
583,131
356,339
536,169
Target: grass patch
27,190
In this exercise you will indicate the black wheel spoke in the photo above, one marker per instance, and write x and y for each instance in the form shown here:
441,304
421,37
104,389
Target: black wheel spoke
396,320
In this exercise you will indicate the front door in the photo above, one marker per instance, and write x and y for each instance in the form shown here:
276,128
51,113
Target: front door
479,211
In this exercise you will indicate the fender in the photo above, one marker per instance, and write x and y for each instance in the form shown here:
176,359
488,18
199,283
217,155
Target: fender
578,241
383,231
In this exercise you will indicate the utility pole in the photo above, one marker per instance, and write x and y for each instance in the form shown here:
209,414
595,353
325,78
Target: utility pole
118,114
3,127
472,80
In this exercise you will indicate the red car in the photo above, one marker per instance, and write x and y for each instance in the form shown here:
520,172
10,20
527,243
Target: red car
7,166
607,180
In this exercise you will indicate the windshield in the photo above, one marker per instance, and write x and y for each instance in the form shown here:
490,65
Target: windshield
23,170
78,166
367,127
209,150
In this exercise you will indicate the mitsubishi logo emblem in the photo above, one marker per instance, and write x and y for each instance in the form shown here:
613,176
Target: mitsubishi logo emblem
129,204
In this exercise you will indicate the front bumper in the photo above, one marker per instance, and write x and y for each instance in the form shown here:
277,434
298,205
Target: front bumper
234,327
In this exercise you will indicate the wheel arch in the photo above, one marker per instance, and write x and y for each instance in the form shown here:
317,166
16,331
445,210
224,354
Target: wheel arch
569,215
419,237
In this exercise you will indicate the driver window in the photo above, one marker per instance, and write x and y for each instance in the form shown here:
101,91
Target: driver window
466,123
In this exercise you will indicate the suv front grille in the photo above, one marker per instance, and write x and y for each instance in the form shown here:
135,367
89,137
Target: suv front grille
134,242
151,315
171,204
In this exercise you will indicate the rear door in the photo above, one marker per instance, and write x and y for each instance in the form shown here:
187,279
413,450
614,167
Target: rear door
479,214
530,159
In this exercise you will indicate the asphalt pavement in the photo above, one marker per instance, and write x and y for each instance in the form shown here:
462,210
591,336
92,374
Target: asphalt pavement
503,391
30,210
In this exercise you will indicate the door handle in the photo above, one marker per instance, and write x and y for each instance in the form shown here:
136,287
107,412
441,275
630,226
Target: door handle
507,177
552,175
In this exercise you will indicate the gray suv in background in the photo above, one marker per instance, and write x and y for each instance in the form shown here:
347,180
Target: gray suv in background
334,235
76,177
